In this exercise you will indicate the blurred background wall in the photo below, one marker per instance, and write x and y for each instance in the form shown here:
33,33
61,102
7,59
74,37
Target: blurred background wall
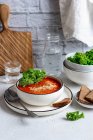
39,16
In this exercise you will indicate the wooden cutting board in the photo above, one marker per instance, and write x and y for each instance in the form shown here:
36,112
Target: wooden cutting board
14,45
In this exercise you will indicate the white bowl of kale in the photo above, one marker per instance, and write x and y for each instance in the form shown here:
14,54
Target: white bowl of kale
80,61
79,77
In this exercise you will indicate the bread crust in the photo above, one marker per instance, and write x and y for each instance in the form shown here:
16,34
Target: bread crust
62,103
84,91
89,97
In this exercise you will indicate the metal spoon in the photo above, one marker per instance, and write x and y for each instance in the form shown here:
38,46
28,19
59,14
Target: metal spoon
13,97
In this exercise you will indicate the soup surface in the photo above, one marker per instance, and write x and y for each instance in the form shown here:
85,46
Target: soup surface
46,86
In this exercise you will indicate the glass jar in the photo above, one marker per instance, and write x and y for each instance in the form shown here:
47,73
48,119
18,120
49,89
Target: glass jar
52,55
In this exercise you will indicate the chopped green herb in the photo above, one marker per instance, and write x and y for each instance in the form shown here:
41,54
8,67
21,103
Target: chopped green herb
82,58
72,116
32,76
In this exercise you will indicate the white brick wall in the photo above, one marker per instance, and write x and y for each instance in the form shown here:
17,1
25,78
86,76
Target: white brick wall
49,6
39,16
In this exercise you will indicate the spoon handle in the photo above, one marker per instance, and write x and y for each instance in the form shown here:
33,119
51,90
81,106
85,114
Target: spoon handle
30,113
13,94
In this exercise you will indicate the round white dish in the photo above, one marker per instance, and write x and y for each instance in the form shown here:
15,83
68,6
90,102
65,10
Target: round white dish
77,67
78,76
40,99
40,110
90,106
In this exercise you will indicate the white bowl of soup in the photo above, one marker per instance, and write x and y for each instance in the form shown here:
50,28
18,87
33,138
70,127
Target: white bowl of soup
42,93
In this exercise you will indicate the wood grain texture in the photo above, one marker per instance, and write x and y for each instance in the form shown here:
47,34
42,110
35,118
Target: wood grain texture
14,45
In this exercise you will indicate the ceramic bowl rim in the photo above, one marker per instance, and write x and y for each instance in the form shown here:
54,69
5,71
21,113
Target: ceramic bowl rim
65,65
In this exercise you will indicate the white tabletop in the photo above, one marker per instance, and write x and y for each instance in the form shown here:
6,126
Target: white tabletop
14,126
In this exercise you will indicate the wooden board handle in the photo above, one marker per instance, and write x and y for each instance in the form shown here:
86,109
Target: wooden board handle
4,15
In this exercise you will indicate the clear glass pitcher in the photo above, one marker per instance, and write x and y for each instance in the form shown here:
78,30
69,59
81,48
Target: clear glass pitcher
52,55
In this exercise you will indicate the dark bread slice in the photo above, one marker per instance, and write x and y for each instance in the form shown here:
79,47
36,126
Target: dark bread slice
89,97
62,103
84,91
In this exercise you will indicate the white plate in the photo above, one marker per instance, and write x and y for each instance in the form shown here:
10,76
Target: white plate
82,104
40,111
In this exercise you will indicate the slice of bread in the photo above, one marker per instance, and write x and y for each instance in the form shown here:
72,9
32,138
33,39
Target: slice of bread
84,91
89,97
62,103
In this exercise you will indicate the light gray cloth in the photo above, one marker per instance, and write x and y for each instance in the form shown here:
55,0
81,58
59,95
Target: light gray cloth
77,20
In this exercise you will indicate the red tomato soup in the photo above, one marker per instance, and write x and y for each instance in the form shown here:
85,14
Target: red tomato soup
46,86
